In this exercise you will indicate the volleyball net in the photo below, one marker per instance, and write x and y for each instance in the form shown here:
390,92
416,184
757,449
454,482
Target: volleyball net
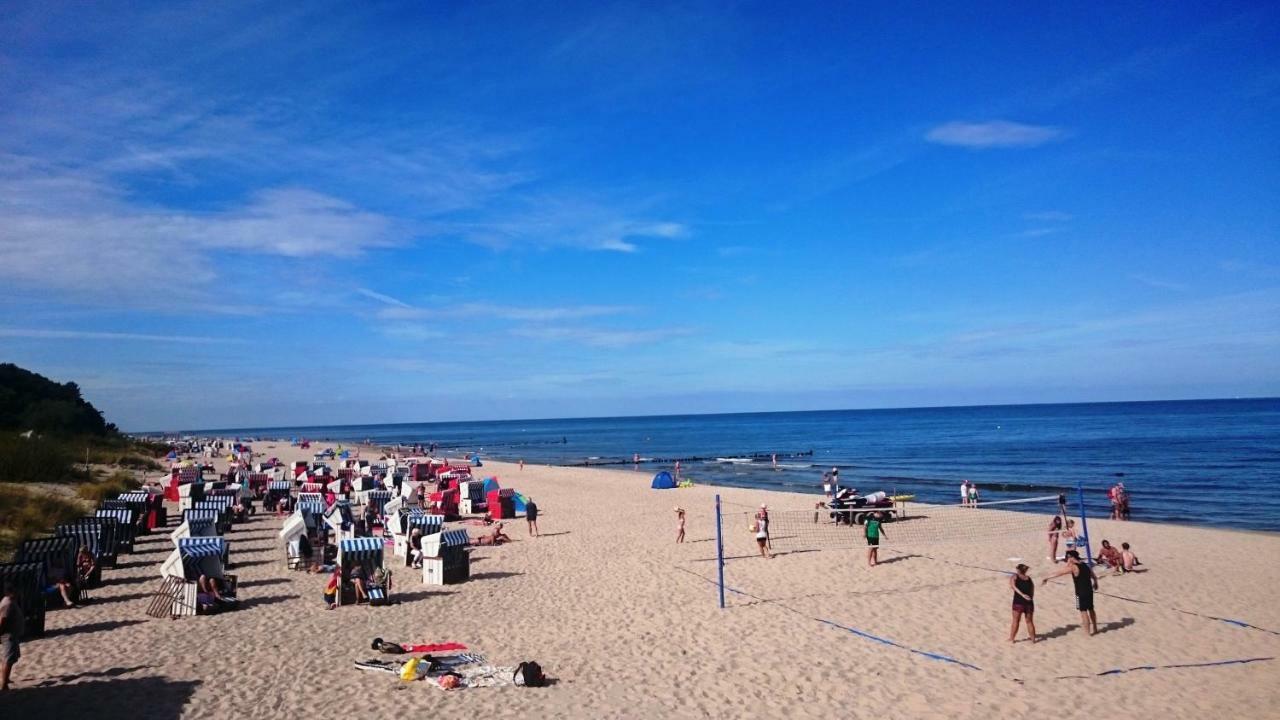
902,525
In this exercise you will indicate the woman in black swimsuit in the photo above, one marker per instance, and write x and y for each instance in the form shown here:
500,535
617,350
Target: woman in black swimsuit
1024,591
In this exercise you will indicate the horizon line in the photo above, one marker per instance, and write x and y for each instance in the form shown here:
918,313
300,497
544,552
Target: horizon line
716,414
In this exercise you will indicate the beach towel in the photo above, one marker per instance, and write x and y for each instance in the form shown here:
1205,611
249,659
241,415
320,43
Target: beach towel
435,647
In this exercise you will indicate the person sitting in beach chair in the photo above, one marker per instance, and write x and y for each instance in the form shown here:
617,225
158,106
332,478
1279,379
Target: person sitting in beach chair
211,586
85,565
358,583
59,582
331,588
497,537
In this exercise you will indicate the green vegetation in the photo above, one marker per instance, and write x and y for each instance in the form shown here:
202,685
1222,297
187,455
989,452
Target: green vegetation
34,402
27,513
50,435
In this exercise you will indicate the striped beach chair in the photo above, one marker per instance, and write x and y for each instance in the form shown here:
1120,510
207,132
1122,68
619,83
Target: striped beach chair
447,560
107,549
54,552
192,558
87,536
28,581
200,516
220,505
366,554
126,524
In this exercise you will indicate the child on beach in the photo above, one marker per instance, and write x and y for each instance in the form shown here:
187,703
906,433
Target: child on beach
331,589
873,531
679,524
1128,560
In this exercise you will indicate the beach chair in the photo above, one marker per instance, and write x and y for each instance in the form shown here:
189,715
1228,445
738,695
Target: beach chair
428,523
258,484
446,559
105,548
192,558
292,534
88,536
148,508
54,552
219,505
126,524
189,493
28,581
276,489
339,520
365,553
200,517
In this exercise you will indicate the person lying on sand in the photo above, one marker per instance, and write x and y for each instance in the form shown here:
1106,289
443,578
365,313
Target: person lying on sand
497,537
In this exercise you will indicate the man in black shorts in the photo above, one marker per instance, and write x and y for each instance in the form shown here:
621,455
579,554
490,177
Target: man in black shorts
12,627
1085,583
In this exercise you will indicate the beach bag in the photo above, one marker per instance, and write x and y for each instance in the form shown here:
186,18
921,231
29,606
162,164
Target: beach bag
409,671
529,674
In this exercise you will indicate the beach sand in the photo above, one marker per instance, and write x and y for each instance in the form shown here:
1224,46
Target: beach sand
627,623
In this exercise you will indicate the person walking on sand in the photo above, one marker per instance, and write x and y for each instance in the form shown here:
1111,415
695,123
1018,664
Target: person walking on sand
1024,591
874,531
531,514
1085,583
762,518
12,627
679,525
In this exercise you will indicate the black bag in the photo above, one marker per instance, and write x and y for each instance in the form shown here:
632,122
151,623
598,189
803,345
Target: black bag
529,674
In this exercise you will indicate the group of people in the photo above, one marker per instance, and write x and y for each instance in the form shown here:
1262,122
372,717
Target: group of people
968,493
1083,582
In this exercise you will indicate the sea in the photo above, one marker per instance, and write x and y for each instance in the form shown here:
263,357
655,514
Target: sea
1201,462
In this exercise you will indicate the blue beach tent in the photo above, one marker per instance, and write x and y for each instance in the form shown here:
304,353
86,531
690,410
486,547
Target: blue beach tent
663,481
518,503
491,484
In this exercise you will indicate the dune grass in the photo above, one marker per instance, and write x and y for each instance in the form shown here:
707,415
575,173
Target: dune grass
27,512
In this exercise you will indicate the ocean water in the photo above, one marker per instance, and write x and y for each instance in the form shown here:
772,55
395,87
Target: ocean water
1213,462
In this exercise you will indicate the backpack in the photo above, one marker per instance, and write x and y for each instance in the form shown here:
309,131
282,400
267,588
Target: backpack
529,674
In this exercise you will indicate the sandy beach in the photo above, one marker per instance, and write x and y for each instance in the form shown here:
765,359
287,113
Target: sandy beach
627,623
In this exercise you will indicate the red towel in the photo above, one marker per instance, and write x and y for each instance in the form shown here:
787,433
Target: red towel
436,647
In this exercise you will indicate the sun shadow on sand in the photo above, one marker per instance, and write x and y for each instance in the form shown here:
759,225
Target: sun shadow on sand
91,628
108,673
398,598
253,602
897,558
562,532
130,581
494,575
122,598
1059,632
1115,625
152,698
264,581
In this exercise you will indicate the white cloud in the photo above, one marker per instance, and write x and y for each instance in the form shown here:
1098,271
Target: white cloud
1049,216
993,134
43,334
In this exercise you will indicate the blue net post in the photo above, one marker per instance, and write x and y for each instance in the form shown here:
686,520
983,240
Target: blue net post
719,553
1084,523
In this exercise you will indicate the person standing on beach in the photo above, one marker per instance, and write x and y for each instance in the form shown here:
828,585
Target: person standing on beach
964,493
873,531
531,514
762,519
679,525
1086,583
1024,591
12,626
1055,531
973,494
762,539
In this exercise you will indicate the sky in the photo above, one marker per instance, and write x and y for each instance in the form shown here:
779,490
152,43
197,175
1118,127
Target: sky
247,214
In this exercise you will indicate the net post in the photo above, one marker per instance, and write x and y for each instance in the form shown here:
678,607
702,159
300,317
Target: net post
719,553
1084,523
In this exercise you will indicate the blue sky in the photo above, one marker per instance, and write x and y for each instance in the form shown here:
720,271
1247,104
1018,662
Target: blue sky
242,214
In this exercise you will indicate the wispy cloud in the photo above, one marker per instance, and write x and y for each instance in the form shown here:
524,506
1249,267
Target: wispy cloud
993,134
1039,232
603,338
42,334
1158,283
501,312
385,299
